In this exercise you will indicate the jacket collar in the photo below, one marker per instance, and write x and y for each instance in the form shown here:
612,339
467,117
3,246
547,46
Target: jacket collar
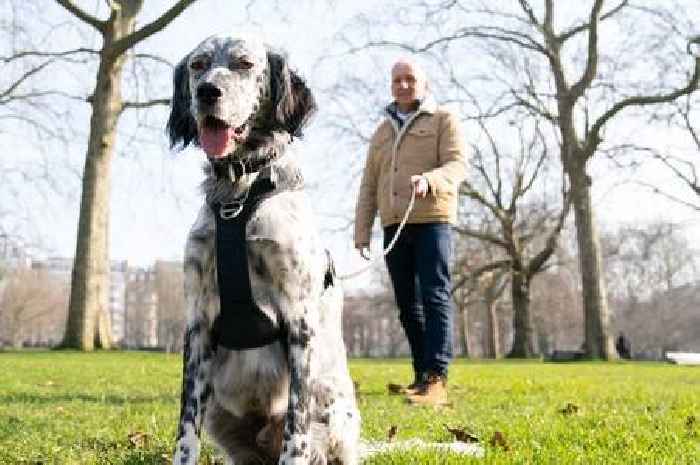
427,105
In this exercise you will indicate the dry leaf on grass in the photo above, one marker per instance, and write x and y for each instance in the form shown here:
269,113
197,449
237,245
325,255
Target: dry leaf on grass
139,439
462,435
690,423
499,440
391,434
569,409
394,388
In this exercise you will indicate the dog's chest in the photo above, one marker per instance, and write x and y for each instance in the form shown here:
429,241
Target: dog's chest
252,381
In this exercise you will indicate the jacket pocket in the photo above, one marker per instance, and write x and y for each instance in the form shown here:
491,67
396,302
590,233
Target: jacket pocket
419,149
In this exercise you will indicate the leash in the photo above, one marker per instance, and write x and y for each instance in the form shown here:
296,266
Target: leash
390,246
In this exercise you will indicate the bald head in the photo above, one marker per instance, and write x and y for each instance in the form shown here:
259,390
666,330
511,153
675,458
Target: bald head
408,84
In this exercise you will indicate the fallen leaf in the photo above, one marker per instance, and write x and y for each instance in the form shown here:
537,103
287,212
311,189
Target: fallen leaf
394,388
462,435
499,440
392,433
139,439
569,409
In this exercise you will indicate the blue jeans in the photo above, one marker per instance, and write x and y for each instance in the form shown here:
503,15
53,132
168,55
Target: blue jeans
419,270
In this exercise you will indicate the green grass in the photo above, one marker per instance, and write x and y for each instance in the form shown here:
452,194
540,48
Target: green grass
73,408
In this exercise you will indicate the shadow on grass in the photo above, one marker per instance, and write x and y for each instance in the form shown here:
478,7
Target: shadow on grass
161,456
43,399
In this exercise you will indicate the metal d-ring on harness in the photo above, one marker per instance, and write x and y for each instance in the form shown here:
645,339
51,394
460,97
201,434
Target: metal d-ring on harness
390,246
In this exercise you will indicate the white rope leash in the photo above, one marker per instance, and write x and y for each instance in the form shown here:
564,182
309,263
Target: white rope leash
391,244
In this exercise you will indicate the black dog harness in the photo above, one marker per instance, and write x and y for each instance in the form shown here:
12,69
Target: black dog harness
241,324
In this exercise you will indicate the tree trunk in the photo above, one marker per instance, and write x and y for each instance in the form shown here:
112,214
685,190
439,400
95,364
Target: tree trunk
88,310
462,305
464,312
492,334
598,341
522,327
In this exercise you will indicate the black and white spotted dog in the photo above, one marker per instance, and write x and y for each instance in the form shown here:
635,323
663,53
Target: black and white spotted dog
265,369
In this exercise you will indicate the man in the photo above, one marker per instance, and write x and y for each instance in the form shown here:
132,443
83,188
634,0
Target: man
417,146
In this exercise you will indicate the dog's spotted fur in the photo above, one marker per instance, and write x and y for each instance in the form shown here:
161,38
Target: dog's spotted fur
290,402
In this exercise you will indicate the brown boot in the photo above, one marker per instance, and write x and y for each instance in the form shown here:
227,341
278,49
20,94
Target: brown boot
412,388
433,391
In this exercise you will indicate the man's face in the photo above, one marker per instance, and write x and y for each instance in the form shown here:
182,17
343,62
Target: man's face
407,85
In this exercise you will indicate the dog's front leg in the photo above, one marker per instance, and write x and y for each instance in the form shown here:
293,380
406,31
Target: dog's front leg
196,389
198,353
296,448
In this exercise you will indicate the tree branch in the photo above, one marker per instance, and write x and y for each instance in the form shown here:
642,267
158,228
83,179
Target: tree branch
474,274
482,236
23,78
34,53
149,29
146,104
593,138
82,15
484,32
672,198
541,258
592,56
564,36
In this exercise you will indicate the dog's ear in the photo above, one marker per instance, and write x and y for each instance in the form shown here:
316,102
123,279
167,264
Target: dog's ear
182,127
292,101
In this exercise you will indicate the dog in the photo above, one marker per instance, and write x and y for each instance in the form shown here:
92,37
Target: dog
266,376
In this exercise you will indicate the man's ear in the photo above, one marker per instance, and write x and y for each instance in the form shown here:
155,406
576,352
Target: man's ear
181,127
292,101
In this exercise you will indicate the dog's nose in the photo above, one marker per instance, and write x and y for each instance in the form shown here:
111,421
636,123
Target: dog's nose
208,93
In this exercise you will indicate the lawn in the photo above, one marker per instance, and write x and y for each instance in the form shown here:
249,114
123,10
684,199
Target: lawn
122,408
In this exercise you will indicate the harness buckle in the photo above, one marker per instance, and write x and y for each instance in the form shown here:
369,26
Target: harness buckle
233,164
229,211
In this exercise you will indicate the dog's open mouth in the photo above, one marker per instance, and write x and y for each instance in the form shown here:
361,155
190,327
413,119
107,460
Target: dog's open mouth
217,138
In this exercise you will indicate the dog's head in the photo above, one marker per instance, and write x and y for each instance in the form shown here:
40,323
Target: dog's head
227,91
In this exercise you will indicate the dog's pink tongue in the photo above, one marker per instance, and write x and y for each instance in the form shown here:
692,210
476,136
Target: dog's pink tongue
214,141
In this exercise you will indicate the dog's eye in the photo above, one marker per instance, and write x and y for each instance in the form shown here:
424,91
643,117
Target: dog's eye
198,65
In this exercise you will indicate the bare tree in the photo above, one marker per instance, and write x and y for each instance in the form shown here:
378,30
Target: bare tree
169,280
88,318
653,271
32,308
526,229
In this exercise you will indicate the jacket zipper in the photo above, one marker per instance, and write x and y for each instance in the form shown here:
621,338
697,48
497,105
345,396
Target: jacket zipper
399,135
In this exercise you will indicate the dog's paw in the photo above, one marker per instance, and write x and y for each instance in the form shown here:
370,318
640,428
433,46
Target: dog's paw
294,461
185,454
296,451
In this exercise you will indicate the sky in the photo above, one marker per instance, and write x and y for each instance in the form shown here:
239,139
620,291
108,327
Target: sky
155,191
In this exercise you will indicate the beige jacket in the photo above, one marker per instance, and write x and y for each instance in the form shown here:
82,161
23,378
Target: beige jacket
429,143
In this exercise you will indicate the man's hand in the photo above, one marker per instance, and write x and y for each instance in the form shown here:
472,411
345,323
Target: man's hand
420,184
365,252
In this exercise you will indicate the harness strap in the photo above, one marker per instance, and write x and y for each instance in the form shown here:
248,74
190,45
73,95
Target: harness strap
241,324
